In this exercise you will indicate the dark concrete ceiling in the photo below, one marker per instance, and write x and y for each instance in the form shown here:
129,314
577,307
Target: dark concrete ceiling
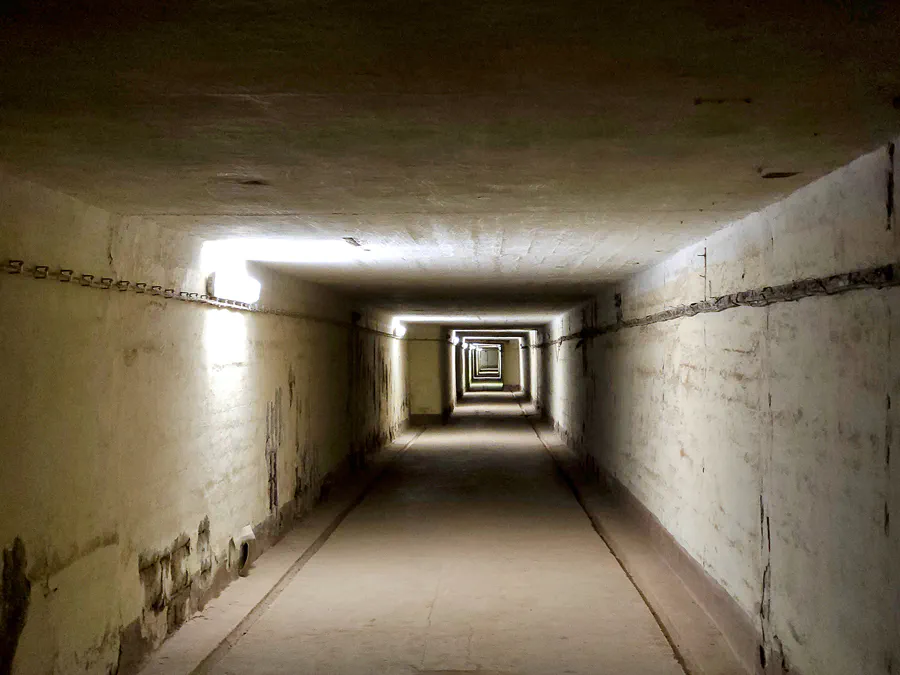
524,147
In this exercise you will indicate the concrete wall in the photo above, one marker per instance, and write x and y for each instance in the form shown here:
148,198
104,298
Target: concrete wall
140,434
762,437
452,377
489,356
535,371
459,359
426,350
549,356
512,363
526,376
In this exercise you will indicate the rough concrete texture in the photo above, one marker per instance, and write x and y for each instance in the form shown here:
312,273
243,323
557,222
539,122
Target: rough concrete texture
141,434
426,347
470,555
509,356
512,364
761,438
528,372
453,370
207,636
699,643
485,152
493,162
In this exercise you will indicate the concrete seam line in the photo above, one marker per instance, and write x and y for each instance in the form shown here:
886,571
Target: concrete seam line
234,636
598,528
872,278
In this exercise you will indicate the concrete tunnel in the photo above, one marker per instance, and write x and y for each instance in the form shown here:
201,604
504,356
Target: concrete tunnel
509,337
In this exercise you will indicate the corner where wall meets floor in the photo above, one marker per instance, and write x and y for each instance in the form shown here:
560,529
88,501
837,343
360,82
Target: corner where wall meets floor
743,393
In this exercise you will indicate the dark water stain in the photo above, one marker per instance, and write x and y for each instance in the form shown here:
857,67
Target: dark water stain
15,594
274,436
890,187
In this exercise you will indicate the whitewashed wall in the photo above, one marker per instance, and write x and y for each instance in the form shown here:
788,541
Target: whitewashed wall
135,427
761,438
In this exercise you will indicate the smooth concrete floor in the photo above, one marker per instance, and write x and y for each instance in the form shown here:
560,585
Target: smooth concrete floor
469,555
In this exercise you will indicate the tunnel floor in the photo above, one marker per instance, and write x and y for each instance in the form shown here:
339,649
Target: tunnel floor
469,555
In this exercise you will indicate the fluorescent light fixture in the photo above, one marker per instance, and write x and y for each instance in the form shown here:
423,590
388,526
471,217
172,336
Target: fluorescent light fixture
517,319
398,328
297,251
234,284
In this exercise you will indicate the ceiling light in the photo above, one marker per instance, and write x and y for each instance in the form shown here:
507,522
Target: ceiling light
235,285
398,329
519,318
297,251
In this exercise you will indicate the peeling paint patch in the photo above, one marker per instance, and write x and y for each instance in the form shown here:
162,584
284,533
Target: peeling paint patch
204,550
172,593
166,580
15,594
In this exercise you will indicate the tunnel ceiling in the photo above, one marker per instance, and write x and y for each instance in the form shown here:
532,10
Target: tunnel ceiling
531,149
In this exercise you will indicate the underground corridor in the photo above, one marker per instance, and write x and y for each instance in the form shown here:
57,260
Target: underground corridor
508,337
470,554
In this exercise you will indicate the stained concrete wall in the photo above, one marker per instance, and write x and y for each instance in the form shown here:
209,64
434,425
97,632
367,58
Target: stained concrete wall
141,434
459,359
452,376
426,350
527,352
535,378
512,376
527,374
762,438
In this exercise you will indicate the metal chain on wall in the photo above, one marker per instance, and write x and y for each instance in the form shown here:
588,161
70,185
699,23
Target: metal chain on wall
885,276
98,282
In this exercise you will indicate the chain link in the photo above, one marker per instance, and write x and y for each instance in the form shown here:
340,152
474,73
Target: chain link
65,275
84,280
